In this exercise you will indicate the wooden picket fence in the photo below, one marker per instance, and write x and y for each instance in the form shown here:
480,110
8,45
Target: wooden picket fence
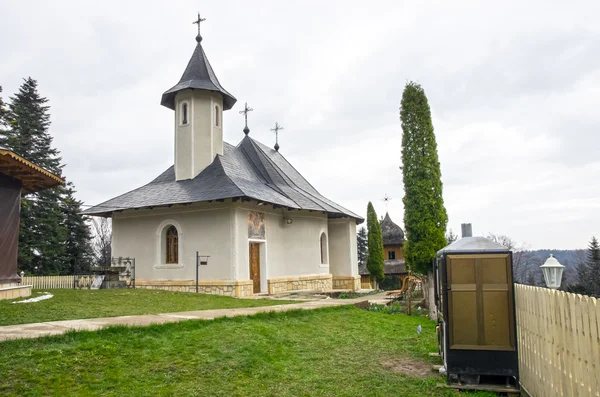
51,282
559,342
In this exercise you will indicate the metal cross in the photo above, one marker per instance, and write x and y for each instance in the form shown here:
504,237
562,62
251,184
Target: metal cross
386,200
276,131
245,113
198,22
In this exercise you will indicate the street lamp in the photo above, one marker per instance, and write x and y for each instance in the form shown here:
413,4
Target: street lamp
553,271
201,260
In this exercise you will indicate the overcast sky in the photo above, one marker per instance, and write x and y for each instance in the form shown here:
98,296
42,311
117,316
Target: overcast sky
514,90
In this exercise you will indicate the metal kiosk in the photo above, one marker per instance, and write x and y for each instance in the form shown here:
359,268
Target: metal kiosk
474,294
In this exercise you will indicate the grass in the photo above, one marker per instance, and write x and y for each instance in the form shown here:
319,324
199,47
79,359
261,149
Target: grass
70,304
338,351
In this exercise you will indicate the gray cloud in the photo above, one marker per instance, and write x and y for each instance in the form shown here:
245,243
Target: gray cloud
512,88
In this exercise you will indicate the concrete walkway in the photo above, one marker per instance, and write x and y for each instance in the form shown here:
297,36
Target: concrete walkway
35,330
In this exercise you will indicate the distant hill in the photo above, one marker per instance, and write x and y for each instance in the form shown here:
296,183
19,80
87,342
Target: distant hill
527,265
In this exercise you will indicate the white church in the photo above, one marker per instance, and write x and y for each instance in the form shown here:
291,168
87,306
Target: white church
246,212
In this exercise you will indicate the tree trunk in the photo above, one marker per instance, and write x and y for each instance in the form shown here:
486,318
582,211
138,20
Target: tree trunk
429,295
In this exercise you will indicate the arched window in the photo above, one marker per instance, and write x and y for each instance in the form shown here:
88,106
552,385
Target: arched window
184,113
323,248
217,121
172,248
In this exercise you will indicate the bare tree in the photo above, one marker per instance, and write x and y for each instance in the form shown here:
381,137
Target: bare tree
523,260
451,237
101,244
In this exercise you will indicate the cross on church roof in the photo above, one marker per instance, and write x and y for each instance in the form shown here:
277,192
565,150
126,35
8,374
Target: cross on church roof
276,131
386,199
245,113
198,22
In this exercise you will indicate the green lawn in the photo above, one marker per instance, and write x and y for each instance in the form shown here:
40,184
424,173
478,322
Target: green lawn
342,351
70,304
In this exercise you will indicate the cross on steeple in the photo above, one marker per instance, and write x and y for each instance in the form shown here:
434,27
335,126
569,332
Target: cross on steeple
198,22
245,113
276,131
386,199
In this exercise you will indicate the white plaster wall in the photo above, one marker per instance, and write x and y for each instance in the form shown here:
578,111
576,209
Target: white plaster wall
342,247
206,230
198,142
291,250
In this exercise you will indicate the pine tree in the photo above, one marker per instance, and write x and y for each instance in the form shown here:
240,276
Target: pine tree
425,217
28,135
42,237
3,121
375,245
588,272
78,247
362,245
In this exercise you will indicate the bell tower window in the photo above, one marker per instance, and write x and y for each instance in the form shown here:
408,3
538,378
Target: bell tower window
184,113
217,116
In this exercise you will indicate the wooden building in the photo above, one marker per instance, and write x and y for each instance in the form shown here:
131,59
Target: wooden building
394,267
475,300
17,176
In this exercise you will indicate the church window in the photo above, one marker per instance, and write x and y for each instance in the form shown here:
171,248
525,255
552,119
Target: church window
391,255
323,248
172,248
184,113
217,116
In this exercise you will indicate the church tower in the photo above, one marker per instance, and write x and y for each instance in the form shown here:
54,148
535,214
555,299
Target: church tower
198,101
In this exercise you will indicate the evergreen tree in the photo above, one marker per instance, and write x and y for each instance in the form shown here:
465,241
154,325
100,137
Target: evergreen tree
29,120
375,245
589,271
425,217
362,245
3,121
79,249
52,235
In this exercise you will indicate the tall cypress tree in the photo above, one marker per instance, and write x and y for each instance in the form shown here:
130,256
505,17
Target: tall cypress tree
425,216
375,245
361,245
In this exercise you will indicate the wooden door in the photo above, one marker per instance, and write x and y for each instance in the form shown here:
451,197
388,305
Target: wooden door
480,302
255,266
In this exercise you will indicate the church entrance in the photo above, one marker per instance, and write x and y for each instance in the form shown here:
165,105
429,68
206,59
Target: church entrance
255,266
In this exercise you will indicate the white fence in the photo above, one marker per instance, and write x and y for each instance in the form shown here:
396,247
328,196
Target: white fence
559,342
51,282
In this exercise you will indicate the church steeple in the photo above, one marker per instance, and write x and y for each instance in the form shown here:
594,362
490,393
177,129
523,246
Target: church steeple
198,75
198,101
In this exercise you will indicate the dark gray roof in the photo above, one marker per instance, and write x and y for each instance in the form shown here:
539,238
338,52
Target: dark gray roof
473,244
251,170
198,75
396,266
392,233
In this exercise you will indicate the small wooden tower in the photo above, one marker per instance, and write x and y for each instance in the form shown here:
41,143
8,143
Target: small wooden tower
476,324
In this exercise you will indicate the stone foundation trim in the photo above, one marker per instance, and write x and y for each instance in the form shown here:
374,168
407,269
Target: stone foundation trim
236,288
346,282
316,282
14,291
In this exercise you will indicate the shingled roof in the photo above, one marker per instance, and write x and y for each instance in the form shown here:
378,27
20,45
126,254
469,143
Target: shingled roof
392,233
250,169
198,75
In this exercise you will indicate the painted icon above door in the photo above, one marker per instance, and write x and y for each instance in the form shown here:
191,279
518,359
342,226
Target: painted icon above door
256,225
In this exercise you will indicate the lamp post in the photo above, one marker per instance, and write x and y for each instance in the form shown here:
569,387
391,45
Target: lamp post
201,260
553,271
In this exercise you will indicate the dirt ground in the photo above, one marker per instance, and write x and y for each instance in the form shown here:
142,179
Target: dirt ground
409,367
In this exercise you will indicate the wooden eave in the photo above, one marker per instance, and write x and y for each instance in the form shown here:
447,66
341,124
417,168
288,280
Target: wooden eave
32,177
